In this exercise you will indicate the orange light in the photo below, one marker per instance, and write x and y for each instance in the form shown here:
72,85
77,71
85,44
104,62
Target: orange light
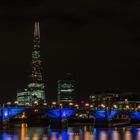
23,115
35,110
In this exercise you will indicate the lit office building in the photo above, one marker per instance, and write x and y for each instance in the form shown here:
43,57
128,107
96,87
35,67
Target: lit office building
106,98
37,91
92,99
24,98
66,91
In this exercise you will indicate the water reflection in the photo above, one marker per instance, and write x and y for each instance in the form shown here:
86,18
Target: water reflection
72,133
115,135
24,131
138,134
128,135
103,135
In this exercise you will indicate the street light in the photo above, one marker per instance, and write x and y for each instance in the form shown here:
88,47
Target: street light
16,102
138,106
87,104
53,103
70,104
45,104
8,103
102,105
36,102
61,105
115,106
127,106
91,106
77,106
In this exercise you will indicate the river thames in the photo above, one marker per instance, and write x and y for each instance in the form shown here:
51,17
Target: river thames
72,133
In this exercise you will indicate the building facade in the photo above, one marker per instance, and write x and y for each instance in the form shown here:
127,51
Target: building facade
66,91
24,98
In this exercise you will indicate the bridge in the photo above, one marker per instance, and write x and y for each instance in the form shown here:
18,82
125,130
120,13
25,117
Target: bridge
6,113
54,113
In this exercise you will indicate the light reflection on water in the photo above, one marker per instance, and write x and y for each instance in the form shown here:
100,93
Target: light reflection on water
72,133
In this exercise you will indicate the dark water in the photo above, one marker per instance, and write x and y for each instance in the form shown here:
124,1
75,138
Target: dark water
72,133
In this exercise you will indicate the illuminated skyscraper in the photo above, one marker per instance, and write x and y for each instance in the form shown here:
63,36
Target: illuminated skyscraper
36,86
36,76
35,92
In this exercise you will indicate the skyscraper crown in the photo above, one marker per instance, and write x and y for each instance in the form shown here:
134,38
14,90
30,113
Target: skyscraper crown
37,29
36,75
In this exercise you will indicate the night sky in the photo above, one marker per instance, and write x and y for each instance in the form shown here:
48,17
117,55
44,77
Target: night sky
98,41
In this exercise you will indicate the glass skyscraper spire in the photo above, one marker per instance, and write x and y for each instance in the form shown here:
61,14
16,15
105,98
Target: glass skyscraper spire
36,86
35,92
36,60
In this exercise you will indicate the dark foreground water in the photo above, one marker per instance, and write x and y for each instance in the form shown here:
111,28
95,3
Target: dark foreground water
72,133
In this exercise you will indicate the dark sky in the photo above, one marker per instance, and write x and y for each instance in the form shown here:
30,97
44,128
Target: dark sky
98,41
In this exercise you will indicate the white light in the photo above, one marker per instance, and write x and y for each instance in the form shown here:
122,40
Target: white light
16,102
8,103
66,90
36,102
76,105
45,104
86,104
102,105
91,106
61,105
70,104
126,100
115,106
127,106
81,116
54,103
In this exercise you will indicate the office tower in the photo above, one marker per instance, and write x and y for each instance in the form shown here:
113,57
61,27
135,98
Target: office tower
66,90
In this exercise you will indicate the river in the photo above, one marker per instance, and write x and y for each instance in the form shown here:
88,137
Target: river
24,132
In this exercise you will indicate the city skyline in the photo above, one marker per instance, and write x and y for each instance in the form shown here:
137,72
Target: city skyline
100,49
69,69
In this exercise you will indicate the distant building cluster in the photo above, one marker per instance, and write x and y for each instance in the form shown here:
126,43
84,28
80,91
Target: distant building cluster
34,94
123,100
